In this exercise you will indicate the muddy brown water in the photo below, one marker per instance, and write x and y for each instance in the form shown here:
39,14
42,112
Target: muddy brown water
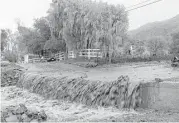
137,72
168,97
60,111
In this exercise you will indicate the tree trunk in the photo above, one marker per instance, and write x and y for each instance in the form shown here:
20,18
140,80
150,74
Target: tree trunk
66,53
110,56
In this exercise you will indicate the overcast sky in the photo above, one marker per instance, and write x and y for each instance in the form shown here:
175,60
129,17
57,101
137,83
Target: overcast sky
27,10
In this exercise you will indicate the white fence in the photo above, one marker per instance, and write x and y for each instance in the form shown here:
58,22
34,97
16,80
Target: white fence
71,54
36,60
87,53
90,53
60,56
30,58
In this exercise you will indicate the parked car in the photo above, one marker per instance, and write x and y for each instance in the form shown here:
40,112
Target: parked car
51,59
175,62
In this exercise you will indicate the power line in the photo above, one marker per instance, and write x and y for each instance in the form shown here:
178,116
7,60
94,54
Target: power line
138,3
144,5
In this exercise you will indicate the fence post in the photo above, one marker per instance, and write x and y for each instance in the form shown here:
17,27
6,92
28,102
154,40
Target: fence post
88,51
97,57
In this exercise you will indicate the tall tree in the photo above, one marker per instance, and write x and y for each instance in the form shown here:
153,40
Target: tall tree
175,43
42,26
30,40
88,24
4,38
78,24
156,45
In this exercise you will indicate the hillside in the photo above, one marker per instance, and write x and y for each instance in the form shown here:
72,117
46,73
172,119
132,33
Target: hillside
160,28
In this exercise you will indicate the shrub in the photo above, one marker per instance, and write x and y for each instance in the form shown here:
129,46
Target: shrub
128,58
10,56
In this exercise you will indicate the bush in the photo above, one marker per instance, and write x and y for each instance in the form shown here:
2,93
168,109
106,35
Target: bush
128,58
10,56
5,63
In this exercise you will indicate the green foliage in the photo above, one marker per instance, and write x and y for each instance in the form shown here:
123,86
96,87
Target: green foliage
4,38
54,45
78,24
139,48
11,56
87,24
30,39
162,28
127,48
42,26
175,43
156,45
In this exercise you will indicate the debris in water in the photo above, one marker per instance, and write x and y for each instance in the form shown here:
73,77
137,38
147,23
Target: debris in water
22,114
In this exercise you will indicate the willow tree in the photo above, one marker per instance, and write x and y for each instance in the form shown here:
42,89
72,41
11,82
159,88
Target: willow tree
4,37
113,26
175,43
88,24
29,39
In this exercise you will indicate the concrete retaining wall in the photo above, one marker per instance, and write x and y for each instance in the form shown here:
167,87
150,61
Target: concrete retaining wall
164,95
149,93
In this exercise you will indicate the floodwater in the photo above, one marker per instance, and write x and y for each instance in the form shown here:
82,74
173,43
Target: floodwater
61,111
137,72
57,110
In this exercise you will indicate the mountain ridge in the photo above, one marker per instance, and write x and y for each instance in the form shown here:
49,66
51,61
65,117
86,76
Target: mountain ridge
157,28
